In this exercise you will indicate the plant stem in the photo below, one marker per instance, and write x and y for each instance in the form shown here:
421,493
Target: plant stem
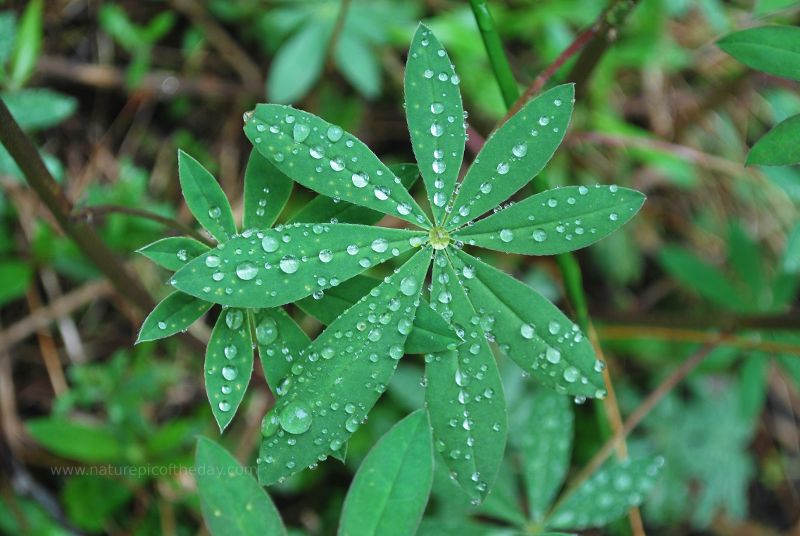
494,49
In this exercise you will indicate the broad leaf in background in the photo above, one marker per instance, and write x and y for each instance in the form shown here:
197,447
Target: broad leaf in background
435,117
464,394
772,49
779,146
173,314
27,45
514,154
36,109
276,266
88,443
340,376
205,198
228,364
555,221
607,495
232,502
298,64
390,489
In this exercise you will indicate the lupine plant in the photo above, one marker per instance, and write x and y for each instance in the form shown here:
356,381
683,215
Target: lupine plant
325,388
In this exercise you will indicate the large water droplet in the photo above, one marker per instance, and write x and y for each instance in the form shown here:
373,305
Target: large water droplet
212,261
229,373
295,418
266,331
506,235
269,424
289,264
571,374
437,107
246,271
379,245
527,331
539,235
269,243
234,318
520,150
335,133
325,255
409,285
553,355
359,180
300,132
214,212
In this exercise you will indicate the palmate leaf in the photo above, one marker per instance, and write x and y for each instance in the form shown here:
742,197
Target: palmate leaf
328,160
280,341
173,252
391,488
323,209
228,365
779,146
555,221
430,333
772,49
341,375
205,198
271,267
266,191
514,154
435,117
607,495
541,430
464,394
533,332
232,502
173,314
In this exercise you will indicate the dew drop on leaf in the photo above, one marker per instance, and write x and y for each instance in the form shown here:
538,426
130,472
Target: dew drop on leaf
295,418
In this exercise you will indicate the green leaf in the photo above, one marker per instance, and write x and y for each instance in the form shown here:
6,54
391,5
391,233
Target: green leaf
173,252
266,191
8,34
435,117
430,332
323,209
464,394
555,221
205,198
542,431
280,341
514,154
607,495
771,49
28,44
391,488
36,109
340,376
790,262
262,269
328,160
16,276
701,277
298,63
359,65
77,441
779,146
530,330
232,502
173,314
228,365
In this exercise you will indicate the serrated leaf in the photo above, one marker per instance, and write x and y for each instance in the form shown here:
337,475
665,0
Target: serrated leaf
173,314
435,117
173,252
36,109
392,484
771,49
358,63
533,332
779,146
430,332
607,495
328,160
541,430
555,221
228,365
77,441
232,502
298,63
271,267
323,209
266,191
464,393
514,154
342,374
205,198
280,341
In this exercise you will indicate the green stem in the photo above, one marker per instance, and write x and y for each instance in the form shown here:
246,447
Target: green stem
494,49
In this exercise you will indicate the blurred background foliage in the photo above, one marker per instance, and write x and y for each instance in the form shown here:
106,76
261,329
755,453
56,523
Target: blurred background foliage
111,90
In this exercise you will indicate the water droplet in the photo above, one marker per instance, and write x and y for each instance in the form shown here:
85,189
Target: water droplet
544,120
404,326
520,150
246,271
553,327
437,107
359,180
234,318
316,152
439,199
335,133
214,212
506,235
337,164
613,216
295,418
289,264
502,168
552,355
438,166
379,245
409,285
212,261
325,255
300,132
269,244
539,235
230,351
381,193
527,331
269,424
229,373
327,352
352,249
436,129
224,406
162,325
266,331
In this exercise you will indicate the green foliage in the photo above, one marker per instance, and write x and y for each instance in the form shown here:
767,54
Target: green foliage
233,503
172,315
27,45
205,198
779,146
78,441
390,489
